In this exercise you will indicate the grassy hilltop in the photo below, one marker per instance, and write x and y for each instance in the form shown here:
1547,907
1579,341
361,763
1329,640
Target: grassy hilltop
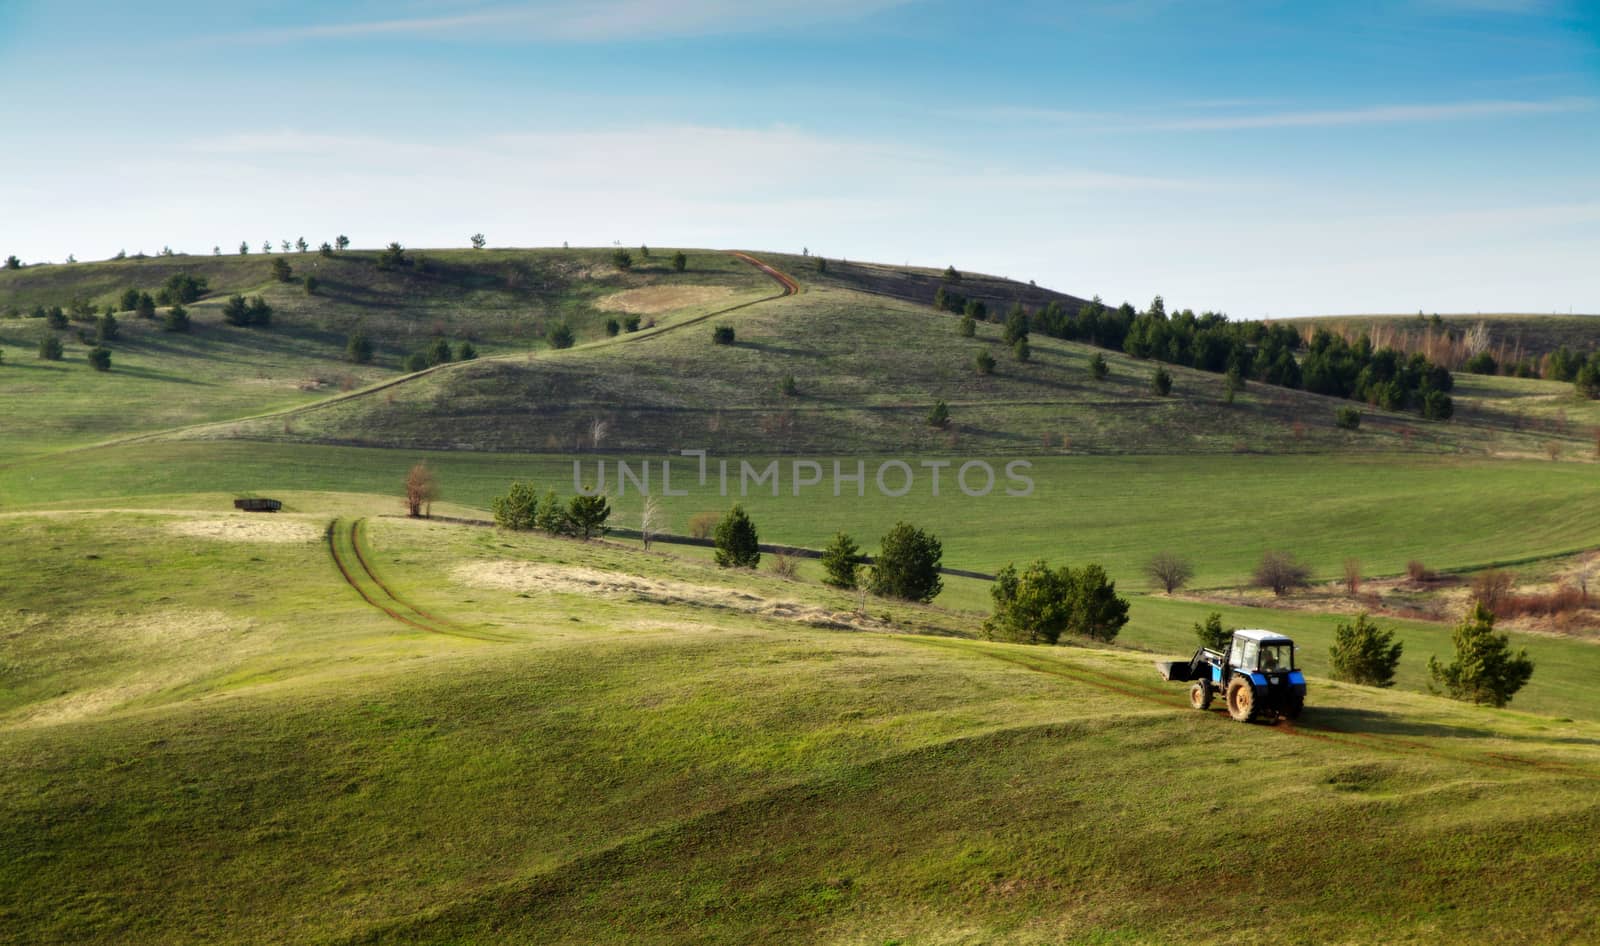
868,355
334,725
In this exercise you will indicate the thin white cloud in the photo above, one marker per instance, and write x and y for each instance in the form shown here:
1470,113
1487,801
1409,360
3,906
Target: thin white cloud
1374,115
594,20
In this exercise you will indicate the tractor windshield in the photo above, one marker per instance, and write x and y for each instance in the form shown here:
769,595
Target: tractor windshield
1277,656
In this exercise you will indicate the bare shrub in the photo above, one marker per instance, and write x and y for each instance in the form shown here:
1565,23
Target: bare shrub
1299,430
1491,588
1352,576
649,519
1281,572
1170,571
1564,600
421,490
702,524
1552,449
784,566
1416,571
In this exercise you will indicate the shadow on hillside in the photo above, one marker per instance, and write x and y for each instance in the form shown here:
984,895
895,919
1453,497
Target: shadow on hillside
146,373
1352,720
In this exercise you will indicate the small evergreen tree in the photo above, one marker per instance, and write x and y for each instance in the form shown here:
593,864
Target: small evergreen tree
343,242
416,361
907,566
358,348
1586,381
1347,418
312,285
478,242
439,352
552,516
244,248
1484,669
258,313
50,348
839,561
57,319
1022,350
560,335
1033,606
588,515
1362,653
301,244
129,300
1098,368
722,335
177,320
1437,405
1212,634
1161,382
968,327
12,262
326,249
789,387
1016,325
466,352
613,327
737,544
236,311
976,310
106,329
1098,612
392,256
100,358
952,275
680,262
984,362
940,416
622,259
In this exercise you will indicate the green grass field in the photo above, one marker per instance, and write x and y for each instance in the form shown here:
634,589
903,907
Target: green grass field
652,750
336,725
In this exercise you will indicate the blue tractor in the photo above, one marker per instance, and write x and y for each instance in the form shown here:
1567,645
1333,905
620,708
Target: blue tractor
1256,675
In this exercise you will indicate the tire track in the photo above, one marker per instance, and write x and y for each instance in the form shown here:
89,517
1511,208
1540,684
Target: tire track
788,285
359,574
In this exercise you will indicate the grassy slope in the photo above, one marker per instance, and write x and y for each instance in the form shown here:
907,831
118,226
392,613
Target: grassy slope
678,390
628,769
501,300
673,389
1220,511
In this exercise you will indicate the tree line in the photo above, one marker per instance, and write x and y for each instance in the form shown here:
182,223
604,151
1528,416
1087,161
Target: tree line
1243,351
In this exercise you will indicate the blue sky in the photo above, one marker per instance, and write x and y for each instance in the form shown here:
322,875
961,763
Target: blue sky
1259,158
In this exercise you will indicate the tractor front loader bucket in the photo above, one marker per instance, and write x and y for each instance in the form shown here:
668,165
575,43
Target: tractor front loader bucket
1176,671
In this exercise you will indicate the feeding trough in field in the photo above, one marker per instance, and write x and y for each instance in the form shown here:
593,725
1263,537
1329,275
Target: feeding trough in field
257,505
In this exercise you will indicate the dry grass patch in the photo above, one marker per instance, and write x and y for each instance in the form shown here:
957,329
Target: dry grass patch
249,529
653,300
537,578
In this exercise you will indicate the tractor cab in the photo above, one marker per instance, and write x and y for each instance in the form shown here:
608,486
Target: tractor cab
1256,673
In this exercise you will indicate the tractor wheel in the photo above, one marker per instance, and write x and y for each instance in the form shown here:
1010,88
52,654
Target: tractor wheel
1242,700
1200,695
1294,705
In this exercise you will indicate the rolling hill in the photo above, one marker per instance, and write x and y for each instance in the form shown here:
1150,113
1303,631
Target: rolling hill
598,745
334,725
